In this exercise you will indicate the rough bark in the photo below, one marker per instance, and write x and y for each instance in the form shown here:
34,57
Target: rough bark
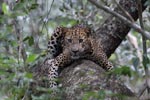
85,76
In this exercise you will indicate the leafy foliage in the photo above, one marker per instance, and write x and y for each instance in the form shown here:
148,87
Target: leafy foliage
124,70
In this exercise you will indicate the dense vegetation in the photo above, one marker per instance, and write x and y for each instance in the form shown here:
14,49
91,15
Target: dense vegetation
26,25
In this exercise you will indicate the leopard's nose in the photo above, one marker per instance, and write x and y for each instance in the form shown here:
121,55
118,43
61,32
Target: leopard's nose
74,50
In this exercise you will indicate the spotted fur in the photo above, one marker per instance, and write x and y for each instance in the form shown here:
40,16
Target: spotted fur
54,45
70,44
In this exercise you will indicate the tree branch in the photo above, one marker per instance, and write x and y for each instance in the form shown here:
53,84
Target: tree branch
124,11
142,89
125,20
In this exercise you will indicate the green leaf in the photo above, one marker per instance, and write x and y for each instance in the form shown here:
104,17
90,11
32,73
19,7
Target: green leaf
5,9
20,5
87,95
31,41
31,58
123,70
26,38
2,72
33,6
29,75
101,94
146,60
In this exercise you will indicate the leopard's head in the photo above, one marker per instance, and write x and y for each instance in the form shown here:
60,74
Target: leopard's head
76,41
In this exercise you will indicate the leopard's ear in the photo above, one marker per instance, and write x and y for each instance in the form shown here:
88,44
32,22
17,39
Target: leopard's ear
65,29
88,30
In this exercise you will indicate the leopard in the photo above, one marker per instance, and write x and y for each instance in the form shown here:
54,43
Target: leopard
67,45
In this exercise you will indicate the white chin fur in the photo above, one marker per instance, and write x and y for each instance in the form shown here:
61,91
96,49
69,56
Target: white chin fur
75,57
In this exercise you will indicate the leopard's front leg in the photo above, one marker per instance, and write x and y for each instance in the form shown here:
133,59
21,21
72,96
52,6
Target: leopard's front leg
60,61
99,56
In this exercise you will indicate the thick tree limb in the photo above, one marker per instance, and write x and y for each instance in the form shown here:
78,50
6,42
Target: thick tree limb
83,77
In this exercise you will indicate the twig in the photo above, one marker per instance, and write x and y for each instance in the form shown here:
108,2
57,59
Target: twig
124,11
45,22
142,89
21,49
20,43
144,45
125,20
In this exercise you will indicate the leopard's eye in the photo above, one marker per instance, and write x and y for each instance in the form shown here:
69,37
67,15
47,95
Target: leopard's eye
69,40
80,40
